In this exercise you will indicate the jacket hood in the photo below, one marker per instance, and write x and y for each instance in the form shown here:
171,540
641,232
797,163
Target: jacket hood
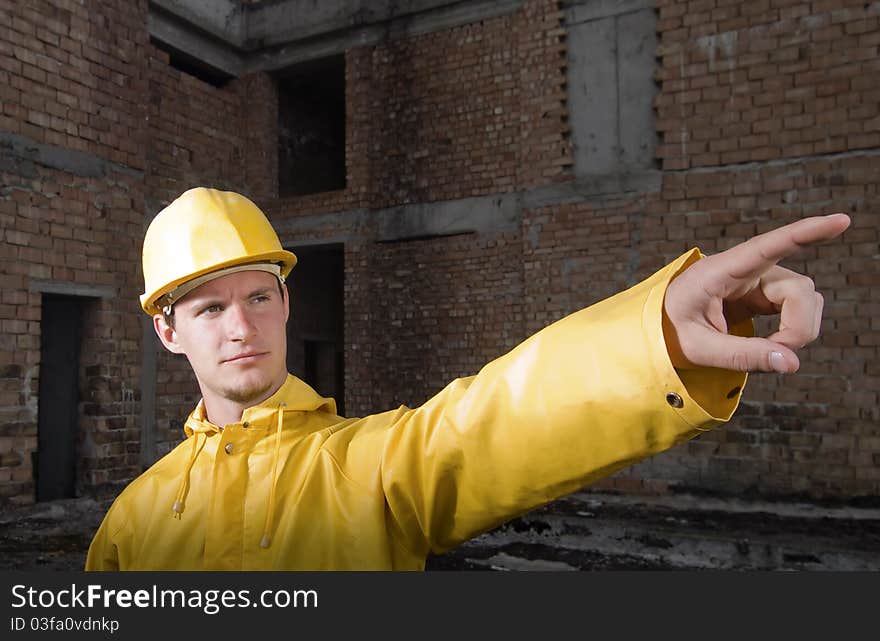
294,395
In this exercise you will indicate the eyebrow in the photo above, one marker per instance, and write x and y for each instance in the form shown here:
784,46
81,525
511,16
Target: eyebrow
208,300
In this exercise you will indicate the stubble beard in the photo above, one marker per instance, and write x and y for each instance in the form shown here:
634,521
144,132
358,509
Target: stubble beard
248,393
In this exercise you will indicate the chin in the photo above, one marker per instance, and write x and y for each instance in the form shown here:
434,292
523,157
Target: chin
248,390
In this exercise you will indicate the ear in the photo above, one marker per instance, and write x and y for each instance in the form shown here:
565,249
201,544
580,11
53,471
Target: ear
166,334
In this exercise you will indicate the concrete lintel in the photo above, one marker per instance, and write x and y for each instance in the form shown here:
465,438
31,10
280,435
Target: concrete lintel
238,39
223,19
468,215
14,147
323,47
578,11
183,37
337,239
498,212
273,24
307,226
589,187
71,289
340,239
326,39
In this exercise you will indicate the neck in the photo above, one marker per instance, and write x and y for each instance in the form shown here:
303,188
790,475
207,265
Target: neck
223,411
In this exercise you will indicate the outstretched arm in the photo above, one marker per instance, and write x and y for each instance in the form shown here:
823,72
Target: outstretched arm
598,390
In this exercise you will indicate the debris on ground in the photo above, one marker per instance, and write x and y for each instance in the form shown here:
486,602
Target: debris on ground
584,531
590,531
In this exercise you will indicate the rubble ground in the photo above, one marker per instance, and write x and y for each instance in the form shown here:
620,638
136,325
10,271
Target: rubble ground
593,531
584,531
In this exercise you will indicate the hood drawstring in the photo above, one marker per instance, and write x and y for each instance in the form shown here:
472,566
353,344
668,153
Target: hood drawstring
197,447
180,502
266,541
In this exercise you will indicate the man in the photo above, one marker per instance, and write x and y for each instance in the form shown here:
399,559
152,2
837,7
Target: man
270,477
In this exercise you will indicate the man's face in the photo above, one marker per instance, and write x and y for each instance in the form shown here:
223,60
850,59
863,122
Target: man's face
232,330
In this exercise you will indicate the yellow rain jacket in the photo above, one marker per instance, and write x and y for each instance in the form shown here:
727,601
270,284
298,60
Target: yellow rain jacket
293,486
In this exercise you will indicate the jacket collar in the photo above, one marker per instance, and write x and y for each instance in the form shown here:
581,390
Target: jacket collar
294,395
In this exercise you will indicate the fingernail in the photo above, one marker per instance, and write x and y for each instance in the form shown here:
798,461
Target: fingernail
777,362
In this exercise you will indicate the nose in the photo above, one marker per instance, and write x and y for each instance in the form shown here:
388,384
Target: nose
239,325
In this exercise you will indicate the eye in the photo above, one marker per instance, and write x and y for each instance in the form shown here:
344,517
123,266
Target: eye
261,298
211,309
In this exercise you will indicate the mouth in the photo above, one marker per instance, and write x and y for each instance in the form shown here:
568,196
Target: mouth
244,358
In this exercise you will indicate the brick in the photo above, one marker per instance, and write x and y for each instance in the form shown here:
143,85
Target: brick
472,111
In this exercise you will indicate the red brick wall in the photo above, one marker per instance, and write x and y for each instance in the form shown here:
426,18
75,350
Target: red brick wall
767,112
755,81
438,309
87,80
468,111
198,136
764,119
813,434
70,79
796,83
195,132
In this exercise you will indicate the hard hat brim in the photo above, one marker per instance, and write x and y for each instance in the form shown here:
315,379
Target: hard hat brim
282,257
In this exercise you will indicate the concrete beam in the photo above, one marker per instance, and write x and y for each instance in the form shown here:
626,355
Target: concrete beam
500,212
355,24
578,11
309,228
594,186
495,213
222,19
181,35
238,39
273,24
467,215
71,289
16,149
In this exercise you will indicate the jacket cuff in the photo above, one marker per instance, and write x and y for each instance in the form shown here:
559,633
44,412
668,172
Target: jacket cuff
703,397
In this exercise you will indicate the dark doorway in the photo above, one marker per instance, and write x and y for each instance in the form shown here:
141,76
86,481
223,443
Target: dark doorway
58,422
315,345
311,127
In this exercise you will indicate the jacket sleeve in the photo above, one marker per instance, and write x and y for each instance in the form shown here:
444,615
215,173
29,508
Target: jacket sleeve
579,400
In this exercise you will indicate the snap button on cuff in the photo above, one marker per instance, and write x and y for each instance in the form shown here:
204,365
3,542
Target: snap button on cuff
674,400
228,449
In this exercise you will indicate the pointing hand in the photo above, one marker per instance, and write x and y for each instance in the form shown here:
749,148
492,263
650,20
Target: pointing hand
742,282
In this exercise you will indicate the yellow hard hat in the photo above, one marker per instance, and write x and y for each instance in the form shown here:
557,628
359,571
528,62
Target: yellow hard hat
204,231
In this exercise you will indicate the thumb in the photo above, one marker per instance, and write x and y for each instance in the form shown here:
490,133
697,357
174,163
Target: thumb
744,354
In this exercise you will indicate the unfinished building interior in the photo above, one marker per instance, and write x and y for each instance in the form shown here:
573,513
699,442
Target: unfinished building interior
454,176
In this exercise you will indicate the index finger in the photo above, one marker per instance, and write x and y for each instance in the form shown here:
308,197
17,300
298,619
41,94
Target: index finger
755,256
